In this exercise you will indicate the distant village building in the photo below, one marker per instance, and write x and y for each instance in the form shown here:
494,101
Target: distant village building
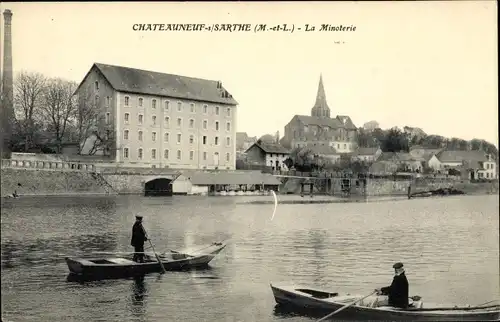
153,119
370,126
243,141
320,129
268,153
476,164
366,154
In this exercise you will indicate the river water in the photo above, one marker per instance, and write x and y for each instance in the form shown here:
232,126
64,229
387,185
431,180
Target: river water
449,247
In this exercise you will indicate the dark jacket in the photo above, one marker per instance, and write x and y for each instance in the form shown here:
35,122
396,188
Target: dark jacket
138,235
397,291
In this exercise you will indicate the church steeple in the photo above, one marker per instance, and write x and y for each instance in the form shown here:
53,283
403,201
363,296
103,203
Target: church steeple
321,108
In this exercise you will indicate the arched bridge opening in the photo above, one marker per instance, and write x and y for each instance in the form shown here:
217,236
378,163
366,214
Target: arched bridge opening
158,187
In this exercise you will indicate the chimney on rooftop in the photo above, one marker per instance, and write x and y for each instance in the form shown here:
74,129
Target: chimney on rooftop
7,97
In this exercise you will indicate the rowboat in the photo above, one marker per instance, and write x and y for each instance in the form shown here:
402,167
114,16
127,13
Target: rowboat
320,303
112,267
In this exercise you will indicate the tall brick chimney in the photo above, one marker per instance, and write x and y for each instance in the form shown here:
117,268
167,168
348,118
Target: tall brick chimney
7,87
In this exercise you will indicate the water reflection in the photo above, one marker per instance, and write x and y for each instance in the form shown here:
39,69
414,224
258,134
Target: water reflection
139,296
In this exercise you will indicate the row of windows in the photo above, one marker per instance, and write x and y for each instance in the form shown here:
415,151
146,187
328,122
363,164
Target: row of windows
166,154
166,106
166,137
140,103
140,120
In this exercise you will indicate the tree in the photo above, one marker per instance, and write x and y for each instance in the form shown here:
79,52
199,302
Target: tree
28,92
58,107
366,139
395,141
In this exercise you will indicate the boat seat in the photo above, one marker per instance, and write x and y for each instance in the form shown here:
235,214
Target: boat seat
122,261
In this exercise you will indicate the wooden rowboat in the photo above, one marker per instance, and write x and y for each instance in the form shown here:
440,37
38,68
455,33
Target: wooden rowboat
113,267
320,303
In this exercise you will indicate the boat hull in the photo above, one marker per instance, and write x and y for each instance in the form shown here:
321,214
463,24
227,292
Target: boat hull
320,303
124,267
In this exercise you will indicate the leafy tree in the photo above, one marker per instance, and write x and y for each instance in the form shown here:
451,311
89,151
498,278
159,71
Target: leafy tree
395,141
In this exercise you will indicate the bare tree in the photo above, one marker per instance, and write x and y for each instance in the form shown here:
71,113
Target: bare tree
94,129
28,91
58,107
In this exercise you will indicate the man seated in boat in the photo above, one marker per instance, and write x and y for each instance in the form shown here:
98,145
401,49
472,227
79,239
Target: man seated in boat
397,292
138,238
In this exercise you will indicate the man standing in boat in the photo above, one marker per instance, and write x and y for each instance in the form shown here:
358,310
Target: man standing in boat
398,290
139,236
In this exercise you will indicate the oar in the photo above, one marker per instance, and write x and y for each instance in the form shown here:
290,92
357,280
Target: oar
346,306
157,257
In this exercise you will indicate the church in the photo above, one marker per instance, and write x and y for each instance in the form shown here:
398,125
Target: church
320,129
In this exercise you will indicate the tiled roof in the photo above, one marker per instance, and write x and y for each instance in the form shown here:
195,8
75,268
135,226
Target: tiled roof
268,147
459,156
366,151
139,81
322,150
346,122
231,178
398,156
341,121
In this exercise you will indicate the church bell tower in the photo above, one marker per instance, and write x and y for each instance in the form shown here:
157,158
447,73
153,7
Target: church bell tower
320,108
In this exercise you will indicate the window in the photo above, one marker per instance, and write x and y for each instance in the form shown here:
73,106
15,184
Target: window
140,135
153,118
125,135
126,117
140,102
96,100
108,100
179,154
153,154
107,118
191,123
205,109
217,110
228,141
153,103
167,106
216,125
167,121
179,138
127,100
140,153
204,156
165,154
96,85
179,122
205,124
125,153
153,136
191,139
216,140
141,118
204,139
179,106
166,137
192,108
228,111
228,126
191,155
228,157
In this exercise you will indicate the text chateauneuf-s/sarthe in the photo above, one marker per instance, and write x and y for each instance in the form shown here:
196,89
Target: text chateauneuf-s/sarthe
241,27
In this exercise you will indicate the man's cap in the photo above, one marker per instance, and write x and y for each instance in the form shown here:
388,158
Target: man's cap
138,217
398,265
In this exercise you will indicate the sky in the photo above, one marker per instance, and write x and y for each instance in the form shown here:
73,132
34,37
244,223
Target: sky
431,65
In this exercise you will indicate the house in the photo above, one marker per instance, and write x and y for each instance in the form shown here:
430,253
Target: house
366,154
325,151
319,128
224,183
152,119
268,154
403,161
476,164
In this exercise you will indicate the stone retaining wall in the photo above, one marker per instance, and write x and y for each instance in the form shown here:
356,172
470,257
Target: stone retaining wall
50,182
